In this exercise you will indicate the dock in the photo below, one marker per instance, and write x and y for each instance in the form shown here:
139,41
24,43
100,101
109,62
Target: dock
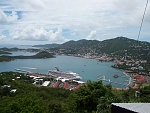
108,80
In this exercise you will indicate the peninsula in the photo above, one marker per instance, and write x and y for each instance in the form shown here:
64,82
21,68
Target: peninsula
42,54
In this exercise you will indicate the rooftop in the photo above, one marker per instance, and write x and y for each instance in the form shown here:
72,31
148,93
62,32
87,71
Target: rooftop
136,107
46,83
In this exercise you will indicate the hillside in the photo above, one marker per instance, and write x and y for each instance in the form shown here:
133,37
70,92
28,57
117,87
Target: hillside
80,43
119,46
122,43
47,46
106,46
4,52
42,54
19,95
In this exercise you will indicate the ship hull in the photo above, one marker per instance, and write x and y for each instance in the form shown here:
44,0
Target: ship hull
66,75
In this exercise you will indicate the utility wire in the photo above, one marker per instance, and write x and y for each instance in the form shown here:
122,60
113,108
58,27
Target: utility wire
142,21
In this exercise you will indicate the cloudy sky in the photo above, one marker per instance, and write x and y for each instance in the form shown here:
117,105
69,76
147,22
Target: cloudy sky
57,21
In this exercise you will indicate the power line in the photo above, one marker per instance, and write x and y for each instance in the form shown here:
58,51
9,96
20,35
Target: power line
142,20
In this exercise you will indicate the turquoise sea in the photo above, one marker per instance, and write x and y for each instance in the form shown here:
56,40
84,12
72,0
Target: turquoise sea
88,69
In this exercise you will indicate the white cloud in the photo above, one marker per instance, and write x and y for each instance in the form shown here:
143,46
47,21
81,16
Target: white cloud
91,36
109,18
2,37
38,4
37,34
8,19
12,17
3,17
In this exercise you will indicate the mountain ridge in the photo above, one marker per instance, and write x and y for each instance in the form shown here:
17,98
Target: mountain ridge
118,46
83,41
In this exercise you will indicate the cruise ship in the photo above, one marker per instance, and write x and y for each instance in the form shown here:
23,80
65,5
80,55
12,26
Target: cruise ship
66,75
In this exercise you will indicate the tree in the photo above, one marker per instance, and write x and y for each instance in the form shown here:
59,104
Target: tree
105,102
24,105
5,91
86,98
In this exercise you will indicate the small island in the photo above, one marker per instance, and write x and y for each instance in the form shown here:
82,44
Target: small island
2,58
4,52
42,54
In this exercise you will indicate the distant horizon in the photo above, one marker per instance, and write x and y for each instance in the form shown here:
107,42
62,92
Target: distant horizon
13,45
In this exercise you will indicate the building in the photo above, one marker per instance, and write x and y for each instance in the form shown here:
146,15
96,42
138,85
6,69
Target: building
139,79
46,83
130,108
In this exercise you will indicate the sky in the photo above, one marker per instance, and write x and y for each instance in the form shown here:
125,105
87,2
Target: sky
32,22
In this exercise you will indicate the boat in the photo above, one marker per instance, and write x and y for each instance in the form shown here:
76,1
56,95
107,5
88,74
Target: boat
66,75
115,75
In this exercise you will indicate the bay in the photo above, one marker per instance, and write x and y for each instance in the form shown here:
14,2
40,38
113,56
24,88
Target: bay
88,69
23,53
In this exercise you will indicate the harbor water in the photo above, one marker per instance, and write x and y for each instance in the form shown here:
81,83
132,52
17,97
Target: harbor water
88,69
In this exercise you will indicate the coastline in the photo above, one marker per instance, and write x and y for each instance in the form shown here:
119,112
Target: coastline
130,78
85,69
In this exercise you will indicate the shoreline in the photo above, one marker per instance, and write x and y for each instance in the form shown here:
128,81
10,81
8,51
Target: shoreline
82,73
130,78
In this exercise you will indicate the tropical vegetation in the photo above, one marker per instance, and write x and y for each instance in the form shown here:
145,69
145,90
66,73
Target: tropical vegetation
94,97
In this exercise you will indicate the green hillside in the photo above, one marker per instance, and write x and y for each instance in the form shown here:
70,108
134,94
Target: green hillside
4,52
42,54
47,45
93,97
119,46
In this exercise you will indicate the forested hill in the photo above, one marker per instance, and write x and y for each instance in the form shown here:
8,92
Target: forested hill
116,46
119,45
80,44
47,45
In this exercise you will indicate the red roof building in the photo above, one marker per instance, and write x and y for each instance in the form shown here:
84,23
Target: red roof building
56,84
66,85
139,78
75,88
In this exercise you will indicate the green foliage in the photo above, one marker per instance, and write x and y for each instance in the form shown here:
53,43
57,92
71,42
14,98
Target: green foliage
145,94
43,54
104,105
25,105
31,99
86,99
5,59
48,45
4,52
5,91
118,47
90,98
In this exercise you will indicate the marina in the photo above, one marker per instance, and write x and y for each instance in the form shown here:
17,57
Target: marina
125,85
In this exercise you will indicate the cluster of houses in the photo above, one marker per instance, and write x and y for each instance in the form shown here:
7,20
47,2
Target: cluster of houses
49,81
136,68
8,88
46,81
138,79
69,85
133,64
